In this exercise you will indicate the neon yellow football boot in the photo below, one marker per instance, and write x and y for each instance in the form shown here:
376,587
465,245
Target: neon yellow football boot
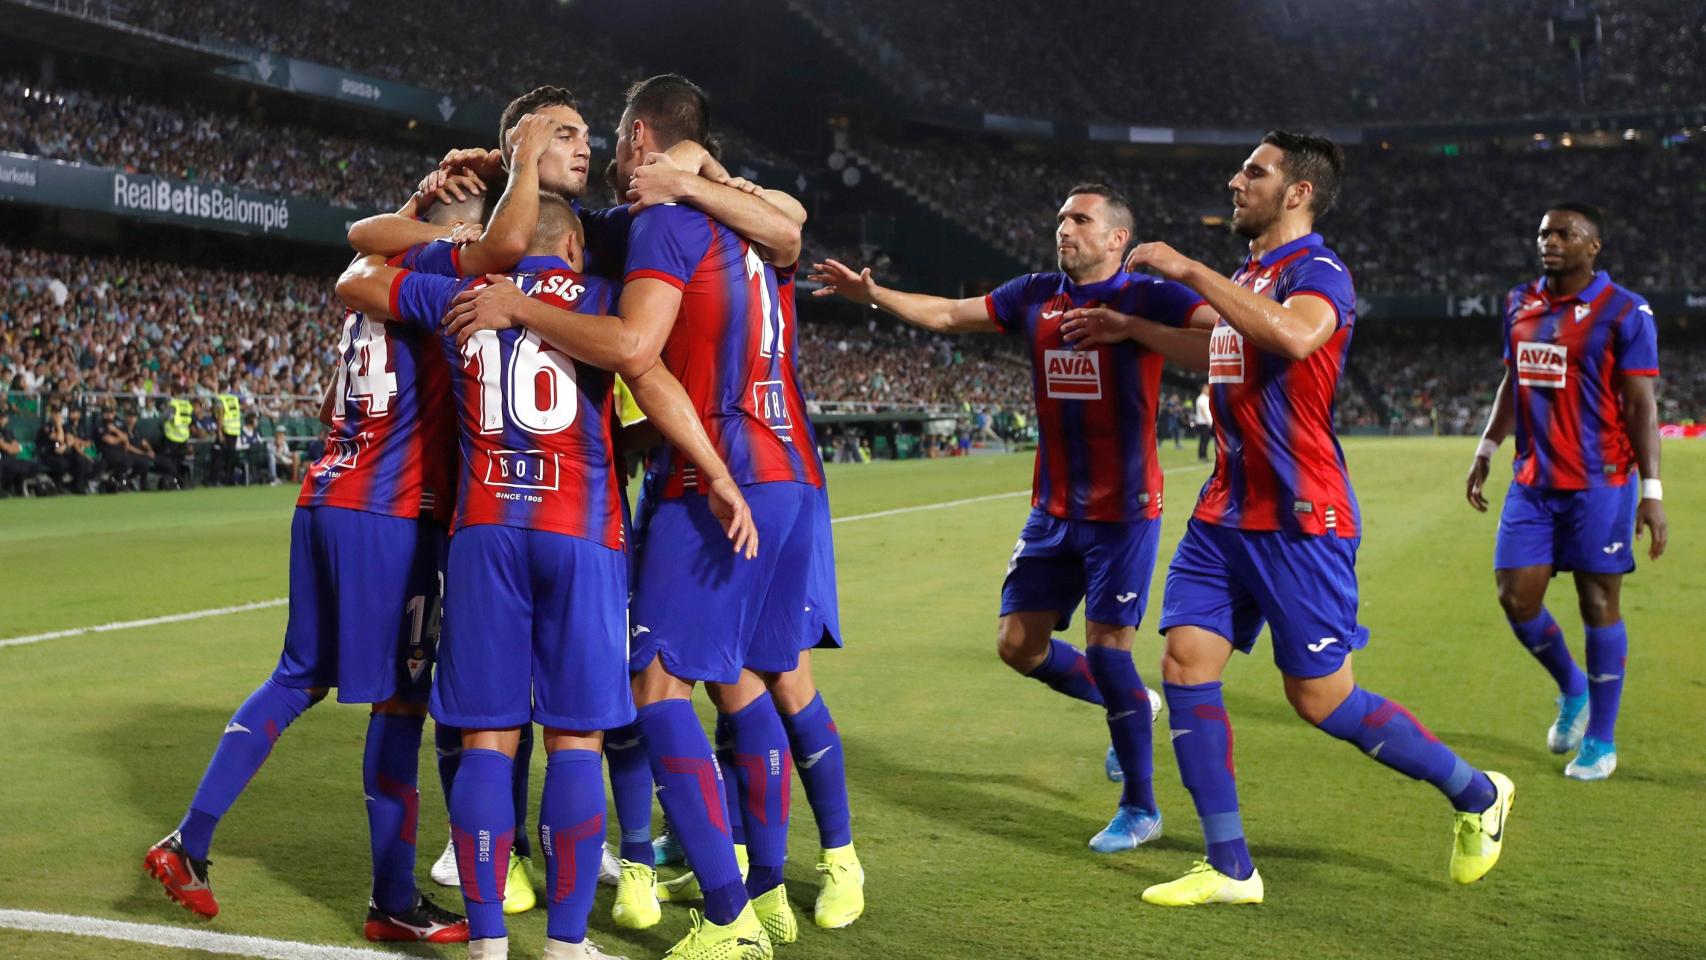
741,939
1479,838
841,892
518,887
1205,885
686,887
777,915
636,906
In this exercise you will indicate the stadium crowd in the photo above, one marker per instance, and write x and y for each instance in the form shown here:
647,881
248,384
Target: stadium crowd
1405,222
889,364
141,135
1342,60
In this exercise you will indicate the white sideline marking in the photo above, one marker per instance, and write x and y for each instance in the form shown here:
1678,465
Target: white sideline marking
281,601
149,622
182,938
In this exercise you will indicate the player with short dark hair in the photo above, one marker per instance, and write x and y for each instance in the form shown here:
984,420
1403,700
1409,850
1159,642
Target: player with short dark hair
1095,527
1582,356
1275,533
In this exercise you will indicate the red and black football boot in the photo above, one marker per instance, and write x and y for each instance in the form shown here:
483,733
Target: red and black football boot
183,876
425,922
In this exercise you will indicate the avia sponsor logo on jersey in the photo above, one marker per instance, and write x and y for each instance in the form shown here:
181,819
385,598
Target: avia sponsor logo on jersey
1073,374
1225,355
1542,364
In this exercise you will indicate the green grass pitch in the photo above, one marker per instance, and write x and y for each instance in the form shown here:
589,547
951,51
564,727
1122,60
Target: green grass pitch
974,790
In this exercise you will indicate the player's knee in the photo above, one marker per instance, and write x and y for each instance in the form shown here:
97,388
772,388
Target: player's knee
1518,607
1016,648
1311,706
316,694
1598,608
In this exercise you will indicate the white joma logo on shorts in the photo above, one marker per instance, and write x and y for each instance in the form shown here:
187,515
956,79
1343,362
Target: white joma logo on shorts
1126,597
1614,547
1322,644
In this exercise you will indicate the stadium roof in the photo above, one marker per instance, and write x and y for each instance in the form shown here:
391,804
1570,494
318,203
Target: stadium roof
77,27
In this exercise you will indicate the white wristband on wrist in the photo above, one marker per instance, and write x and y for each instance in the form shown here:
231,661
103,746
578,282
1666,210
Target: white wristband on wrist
1486,449
1652,490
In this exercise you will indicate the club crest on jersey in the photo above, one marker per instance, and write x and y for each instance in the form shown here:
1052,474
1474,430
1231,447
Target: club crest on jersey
1225,355
1541,364
1263,281
1073,374
1582,311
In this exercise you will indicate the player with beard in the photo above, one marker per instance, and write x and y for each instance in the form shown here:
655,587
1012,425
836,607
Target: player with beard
1275,533
1581,355
1095,521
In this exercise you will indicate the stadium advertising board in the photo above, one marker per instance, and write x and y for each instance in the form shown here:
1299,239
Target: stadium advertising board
141,196
346,86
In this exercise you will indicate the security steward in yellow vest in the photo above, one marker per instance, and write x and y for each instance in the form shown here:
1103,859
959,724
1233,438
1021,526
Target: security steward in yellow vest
229,410
176,428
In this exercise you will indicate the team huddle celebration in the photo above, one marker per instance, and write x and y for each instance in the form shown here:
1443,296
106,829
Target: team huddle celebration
559,440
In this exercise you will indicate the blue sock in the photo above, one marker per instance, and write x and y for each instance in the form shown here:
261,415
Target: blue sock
1128,722
571,835
390,767
1608,651
1388,732
723,742
518,790
692,796
247,743
447,743
482,825
1202,743
631,786
1066,671
823,771
764,769
1545,639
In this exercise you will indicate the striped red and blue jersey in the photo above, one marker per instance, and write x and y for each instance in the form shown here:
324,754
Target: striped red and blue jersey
731,348
441,257
390,444
533,423
1096,406
1567,355
1278,464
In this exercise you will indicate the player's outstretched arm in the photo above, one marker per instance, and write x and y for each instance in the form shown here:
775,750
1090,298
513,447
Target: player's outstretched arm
1641,422
389,234
365,286
761,221
1499,425
1293,329
668,408
1087,326
938,314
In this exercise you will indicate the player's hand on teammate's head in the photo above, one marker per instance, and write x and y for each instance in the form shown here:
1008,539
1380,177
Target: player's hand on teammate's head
529,138
451,186
1089,326
657,181
1159,259
478,159
731,510
466,232
1651,514
839,278
490,307
1478,480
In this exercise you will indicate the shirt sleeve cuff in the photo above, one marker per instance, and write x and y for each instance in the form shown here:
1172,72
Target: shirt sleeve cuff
668,278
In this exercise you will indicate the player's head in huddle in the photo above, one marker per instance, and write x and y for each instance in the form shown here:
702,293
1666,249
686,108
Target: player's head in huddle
1289,177
1091,231
660,112
1569,239
559,232
470,209
563,169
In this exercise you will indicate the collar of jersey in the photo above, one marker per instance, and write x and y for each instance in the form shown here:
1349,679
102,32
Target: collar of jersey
1588,294
1281,252
540,264
1115,282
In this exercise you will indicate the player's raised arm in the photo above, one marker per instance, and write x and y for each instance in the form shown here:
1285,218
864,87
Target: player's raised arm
939,314
762,222
1640,412
1185,346
1293,329
1499,424
505,239
389,234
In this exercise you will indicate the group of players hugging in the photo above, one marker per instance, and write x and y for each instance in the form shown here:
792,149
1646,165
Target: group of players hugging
504,352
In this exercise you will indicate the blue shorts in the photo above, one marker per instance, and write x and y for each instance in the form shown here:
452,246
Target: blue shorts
823,604
1059,562
535,628
364,594
1229,581
708,612
1592,531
